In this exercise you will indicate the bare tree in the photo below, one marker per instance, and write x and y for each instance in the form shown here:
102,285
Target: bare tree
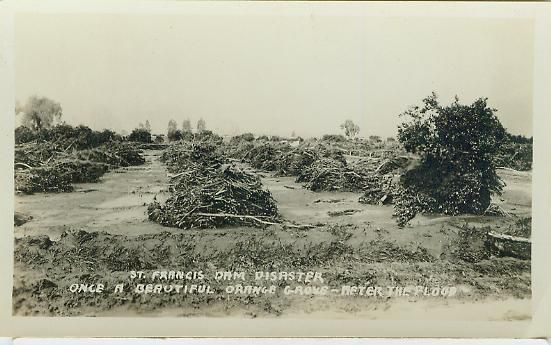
172,126
147,126
186,126
40,112
201,125
350,128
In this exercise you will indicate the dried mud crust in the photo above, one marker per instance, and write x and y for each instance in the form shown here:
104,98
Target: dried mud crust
45,269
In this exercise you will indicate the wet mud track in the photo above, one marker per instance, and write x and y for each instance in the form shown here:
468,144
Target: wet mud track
117,204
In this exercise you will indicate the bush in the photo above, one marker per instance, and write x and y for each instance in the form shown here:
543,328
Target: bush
457,145
140,135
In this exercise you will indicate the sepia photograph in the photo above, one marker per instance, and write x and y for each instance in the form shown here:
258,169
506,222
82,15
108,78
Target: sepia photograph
317,167
301,165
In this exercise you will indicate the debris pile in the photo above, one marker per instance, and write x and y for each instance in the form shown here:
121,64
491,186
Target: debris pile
49,167
266,156
42,179
116,155
516,156
496,211
383,178
327,174
207,192
192,156
322,165
66,136
294,162
380,190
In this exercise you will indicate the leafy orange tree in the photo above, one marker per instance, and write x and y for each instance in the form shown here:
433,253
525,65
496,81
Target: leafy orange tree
457,145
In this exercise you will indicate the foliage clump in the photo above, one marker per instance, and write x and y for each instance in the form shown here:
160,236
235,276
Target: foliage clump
456,145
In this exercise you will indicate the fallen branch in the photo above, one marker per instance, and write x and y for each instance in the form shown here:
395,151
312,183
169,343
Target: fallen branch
510,169
234,216
509,237
176,175
24,165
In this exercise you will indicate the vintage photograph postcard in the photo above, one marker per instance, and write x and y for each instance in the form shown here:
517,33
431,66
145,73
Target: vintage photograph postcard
259,164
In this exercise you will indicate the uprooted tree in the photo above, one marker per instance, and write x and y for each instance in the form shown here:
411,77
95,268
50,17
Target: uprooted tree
456,145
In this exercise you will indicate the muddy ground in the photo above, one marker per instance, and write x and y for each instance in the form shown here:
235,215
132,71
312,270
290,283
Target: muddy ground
100,232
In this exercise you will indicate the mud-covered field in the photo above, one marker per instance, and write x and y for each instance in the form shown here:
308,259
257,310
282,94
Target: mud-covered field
99,233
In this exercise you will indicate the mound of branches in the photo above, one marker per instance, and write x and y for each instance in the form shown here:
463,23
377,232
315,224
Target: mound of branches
265,156
282,158
66,136
57,176
33,154
242,137
211,197
515,155
383,178
47,167
207,193
294,162
189,154
327,174
117,155
380,190
457,145
238,149
50,178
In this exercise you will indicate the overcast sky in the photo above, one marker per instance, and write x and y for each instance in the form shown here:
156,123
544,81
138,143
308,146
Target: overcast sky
270,74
